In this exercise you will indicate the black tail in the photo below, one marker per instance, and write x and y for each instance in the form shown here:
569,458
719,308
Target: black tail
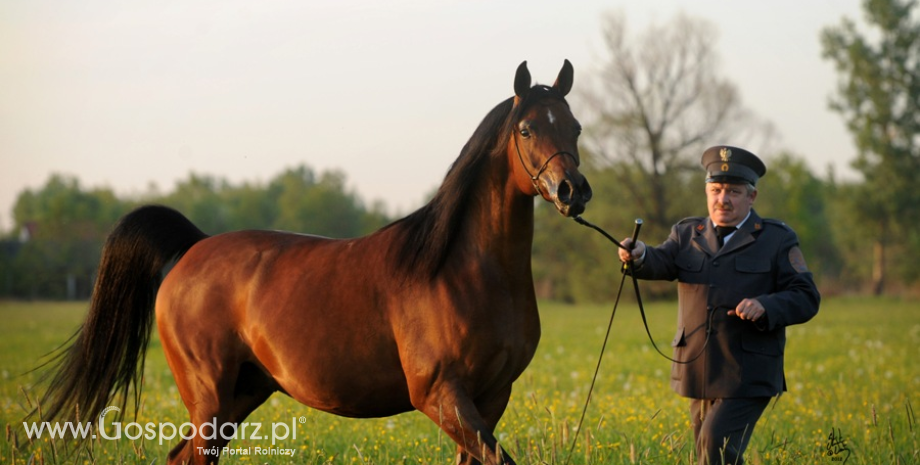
107,357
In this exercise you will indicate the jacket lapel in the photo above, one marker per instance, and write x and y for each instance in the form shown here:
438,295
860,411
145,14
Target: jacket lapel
745,235
704,236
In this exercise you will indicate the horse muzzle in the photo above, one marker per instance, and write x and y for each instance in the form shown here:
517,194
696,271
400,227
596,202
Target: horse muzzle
570,193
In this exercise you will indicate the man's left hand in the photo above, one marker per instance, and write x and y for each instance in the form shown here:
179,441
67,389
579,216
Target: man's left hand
749,309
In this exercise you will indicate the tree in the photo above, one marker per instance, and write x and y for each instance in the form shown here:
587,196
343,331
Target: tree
649,112
793,194
316,204
656,104
201,199
66,225
878,95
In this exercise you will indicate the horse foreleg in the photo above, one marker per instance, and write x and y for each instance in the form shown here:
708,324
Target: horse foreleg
491,407
470,424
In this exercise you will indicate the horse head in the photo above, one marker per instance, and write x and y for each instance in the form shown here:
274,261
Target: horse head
544,142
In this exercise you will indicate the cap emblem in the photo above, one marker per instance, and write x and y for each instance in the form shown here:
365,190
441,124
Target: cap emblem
726,155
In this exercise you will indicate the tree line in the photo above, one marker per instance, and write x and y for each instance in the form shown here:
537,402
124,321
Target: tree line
54,248
650,109
53,252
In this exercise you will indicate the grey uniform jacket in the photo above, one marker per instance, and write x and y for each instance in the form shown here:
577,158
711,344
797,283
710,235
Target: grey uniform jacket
763,261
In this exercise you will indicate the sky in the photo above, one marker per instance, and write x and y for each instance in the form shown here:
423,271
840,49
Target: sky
136,95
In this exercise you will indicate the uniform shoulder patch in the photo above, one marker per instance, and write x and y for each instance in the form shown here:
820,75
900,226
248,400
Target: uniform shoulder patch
797,260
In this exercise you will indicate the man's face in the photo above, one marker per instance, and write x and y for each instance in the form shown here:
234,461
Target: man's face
728,203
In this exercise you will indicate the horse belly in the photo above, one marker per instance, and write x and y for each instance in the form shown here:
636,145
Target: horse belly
352,395
329,369
327,337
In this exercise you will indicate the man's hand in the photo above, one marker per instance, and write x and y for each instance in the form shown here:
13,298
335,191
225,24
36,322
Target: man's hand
637,251
749,309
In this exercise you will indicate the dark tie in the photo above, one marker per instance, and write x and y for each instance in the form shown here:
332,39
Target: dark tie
722,231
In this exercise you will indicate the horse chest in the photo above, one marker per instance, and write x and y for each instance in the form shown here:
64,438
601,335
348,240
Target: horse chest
509,344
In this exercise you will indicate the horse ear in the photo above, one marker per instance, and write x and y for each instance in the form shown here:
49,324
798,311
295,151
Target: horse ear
566,76
522,80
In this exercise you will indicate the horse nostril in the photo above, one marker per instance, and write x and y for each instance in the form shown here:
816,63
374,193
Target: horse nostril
564,193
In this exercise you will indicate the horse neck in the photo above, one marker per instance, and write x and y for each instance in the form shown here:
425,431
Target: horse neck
500,219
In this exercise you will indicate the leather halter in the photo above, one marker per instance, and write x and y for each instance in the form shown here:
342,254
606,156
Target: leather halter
534,178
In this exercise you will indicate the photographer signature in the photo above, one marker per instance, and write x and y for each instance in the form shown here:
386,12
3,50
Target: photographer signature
837,446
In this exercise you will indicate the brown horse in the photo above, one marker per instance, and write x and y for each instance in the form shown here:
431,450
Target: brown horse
434,312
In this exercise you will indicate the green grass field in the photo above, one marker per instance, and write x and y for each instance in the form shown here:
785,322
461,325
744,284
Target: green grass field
853,371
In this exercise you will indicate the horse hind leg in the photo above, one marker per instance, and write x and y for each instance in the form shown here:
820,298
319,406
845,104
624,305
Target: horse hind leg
208,410
207,394
229,404
217,382
253,387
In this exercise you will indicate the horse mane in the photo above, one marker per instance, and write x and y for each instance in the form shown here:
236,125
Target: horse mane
431,230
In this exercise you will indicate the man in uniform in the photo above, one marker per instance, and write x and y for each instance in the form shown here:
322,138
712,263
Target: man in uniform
741,280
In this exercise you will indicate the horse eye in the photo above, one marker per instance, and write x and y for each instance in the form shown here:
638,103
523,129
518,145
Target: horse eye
525,133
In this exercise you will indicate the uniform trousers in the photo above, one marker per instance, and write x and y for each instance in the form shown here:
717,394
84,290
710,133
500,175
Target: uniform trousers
722,428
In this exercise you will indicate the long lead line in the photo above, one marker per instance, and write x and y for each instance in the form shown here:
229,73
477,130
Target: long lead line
616,304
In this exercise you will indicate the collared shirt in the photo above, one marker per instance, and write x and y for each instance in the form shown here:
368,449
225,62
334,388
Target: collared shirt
728,237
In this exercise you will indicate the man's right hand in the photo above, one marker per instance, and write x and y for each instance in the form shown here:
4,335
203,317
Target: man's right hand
637,252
